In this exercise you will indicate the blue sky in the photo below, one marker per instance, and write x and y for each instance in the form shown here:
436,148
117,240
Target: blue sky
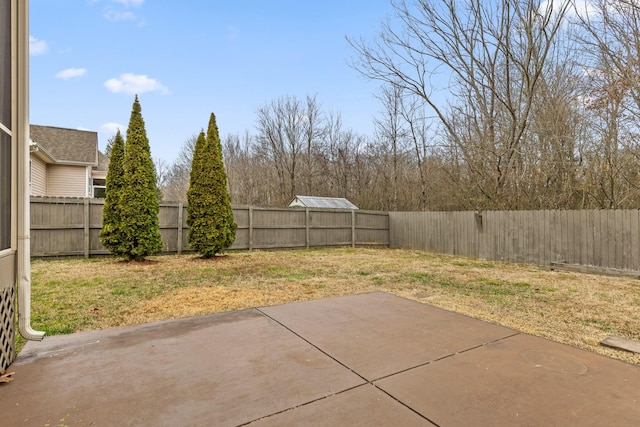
186,59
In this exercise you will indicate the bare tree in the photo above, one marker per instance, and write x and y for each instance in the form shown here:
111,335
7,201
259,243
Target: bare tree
313,134
552,160
340,154
162,174
611,180
176,184
422,140
611,40
287,130
489,57
248,176
365,176
391,137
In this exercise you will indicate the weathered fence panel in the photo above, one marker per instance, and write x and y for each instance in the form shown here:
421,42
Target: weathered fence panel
599,238
71,227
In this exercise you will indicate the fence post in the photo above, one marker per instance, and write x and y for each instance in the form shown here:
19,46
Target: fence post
86,228
180,228
306,226
353,228
250,227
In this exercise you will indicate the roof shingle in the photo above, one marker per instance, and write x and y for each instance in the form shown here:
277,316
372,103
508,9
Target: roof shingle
67,145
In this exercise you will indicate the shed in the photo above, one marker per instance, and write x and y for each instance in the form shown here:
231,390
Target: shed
321,202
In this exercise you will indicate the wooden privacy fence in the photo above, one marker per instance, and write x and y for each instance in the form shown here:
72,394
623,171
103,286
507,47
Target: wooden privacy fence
599,238
71,227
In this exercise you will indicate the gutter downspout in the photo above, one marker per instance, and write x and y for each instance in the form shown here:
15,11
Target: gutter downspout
21,135
23,256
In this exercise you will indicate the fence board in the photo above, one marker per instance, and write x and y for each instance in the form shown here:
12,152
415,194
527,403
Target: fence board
554,236
531,237
581,241
634,230
619,243
498,223
598,241
609,236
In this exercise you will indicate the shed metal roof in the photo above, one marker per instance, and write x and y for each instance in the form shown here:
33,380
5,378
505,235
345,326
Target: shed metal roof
322,202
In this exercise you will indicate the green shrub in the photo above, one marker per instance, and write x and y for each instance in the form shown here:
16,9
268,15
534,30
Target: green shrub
139,206
212,227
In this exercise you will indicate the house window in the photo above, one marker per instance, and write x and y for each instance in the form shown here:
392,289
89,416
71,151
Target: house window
99,191
99,188
5,125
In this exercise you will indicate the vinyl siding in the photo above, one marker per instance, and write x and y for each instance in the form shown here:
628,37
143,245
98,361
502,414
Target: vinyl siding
38,177
66,181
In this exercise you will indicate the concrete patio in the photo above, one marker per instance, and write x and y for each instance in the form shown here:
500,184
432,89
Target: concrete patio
371,359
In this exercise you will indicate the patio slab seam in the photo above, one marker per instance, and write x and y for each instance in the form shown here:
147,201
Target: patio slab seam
431,362
313,345
366,381
310,402
371,382
406,405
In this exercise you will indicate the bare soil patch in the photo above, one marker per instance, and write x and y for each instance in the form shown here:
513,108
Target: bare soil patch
572,308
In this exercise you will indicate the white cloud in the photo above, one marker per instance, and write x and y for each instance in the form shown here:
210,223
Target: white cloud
121,10
37,47
111,128
115,15
580,8
585,8
70,73
135,84
129,3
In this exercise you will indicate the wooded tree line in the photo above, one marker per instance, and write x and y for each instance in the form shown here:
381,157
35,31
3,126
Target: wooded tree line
502,104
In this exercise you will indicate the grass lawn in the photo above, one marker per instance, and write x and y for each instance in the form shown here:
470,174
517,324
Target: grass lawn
73,295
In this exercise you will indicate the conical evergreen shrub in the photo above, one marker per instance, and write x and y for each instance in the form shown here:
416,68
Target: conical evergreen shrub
212,227
139,206
111,235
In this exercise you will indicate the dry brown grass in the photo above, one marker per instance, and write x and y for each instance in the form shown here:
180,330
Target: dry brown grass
575,309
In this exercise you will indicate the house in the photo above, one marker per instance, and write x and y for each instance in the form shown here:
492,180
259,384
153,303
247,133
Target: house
66,163
15,273
321,202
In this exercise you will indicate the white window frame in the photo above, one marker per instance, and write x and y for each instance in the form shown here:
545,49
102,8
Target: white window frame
13,161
